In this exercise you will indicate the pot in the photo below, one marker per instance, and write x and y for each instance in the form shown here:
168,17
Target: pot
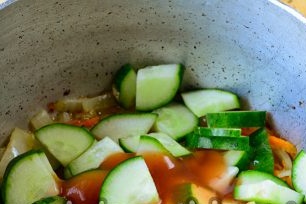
253,48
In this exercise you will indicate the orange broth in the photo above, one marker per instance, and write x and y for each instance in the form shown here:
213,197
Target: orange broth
167,172
84,188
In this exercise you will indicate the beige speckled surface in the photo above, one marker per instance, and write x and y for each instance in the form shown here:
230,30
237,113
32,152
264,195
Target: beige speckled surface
252,48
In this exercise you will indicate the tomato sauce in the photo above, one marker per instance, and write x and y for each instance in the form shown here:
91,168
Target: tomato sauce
167,172
113,160
84,188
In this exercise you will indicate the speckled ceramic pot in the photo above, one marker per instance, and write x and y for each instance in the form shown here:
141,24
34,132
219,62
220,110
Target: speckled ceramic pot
253,48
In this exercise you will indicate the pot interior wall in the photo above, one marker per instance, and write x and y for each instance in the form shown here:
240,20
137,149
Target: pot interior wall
252,48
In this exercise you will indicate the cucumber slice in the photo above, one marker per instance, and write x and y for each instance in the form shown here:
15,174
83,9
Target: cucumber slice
64,142
254,176
204,101
176,149
129,182
151,144
263,159
157,85
52,200
154,142
175,120
28,178
267,192
129,144
298,173
192,193
93,156
240,159
236,119
194,141
124,125
228,132
124,88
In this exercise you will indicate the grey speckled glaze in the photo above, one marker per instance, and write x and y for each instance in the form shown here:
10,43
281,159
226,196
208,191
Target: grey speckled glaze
253,48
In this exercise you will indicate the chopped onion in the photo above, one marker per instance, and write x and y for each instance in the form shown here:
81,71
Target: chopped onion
284,173
63,117
20,142
99,103
222,183
284,158
2,150
69,105
41,119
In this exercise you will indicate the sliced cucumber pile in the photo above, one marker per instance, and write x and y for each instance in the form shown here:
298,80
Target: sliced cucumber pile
236,119
28,178
195,141
224,140
129,182
224,132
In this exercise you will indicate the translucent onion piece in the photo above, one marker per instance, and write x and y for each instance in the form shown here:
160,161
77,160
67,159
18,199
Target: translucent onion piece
99,103
222,184
41,119
69,105
20,142
63,117
284,158
284,173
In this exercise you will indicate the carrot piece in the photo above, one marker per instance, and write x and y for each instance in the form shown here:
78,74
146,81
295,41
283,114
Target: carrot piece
91,122
88,123
277,142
